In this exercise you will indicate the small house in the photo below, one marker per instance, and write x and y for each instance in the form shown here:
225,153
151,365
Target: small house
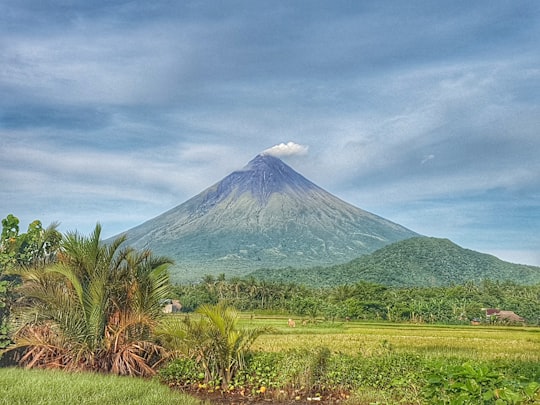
171,306
495,314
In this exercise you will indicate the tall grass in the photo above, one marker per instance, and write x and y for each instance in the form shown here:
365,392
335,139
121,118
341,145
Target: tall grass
44,387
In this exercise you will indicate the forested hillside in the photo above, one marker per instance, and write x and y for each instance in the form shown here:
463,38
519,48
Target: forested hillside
419,261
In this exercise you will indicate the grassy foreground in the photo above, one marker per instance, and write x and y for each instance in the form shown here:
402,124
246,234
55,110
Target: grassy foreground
379,363
40,387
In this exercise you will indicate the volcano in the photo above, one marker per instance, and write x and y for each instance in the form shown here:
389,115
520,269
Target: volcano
265,215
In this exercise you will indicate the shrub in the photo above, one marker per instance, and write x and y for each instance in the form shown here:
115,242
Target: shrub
262,370
387,377
307,372
477,384
181,372
93,310
213,338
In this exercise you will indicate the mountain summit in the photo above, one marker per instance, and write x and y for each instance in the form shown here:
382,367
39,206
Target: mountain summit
264,176
265,215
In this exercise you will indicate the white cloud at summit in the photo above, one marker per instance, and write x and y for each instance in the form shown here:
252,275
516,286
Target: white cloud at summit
426,113
286,149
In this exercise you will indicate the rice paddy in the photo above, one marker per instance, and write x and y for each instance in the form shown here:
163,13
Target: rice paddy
481,343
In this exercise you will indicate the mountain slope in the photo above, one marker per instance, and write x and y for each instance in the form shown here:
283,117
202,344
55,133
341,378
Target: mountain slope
418,261
264,215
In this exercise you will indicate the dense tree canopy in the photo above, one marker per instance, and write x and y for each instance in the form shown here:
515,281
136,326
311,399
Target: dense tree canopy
36,247
33,249
413,262
366,301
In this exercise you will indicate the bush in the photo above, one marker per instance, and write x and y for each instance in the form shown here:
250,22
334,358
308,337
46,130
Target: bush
4,338
262,370
181,372
477,384
307,372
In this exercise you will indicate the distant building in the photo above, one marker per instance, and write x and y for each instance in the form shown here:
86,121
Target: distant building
171,306
495,314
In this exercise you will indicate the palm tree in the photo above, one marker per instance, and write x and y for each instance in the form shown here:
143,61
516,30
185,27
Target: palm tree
95,309
213,338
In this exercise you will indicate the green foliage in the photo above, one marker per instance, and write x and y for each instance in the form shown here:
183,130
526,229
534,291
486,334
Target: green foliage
182,372
519,370
413,262
294,370
8,242
402,377
4,339
455,304
35,248
310,373
92,310
213,338
471,383
393,370
262,370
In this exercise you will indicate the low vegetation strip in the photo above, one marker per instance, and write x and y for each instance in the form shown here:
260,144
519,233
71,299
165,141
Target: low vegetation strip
381,363
44,387
318,375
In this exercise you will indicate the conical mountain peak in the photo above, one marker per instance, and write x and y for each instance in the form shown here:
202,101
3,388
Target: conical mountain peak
266,162
265,215
263,176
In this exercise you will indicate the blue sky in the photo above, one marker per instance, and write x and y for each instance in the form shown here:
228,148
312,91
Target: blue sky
426,113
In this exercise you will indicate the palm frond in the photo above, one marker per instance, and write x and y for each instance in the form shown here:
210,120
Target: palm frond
95,309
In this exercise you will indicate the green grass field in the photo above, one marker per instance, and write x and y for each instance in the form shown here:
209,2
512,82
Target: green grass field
514,351
48,387
481,343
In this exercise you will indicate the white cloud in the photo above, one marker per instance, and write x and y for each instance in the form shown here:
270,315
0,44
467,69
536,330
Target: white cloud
427,158
286,149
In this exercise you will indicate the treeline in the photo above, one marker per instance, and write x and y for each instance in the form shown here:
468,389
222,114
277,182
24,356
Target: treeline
366,301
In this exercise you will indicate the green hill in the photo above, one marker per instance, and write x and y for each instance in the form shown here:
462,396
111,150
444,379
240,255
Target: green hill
418,261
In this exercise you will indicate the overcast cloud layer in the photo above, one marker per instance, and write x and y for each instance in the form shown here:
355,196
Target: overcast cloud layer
426,113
